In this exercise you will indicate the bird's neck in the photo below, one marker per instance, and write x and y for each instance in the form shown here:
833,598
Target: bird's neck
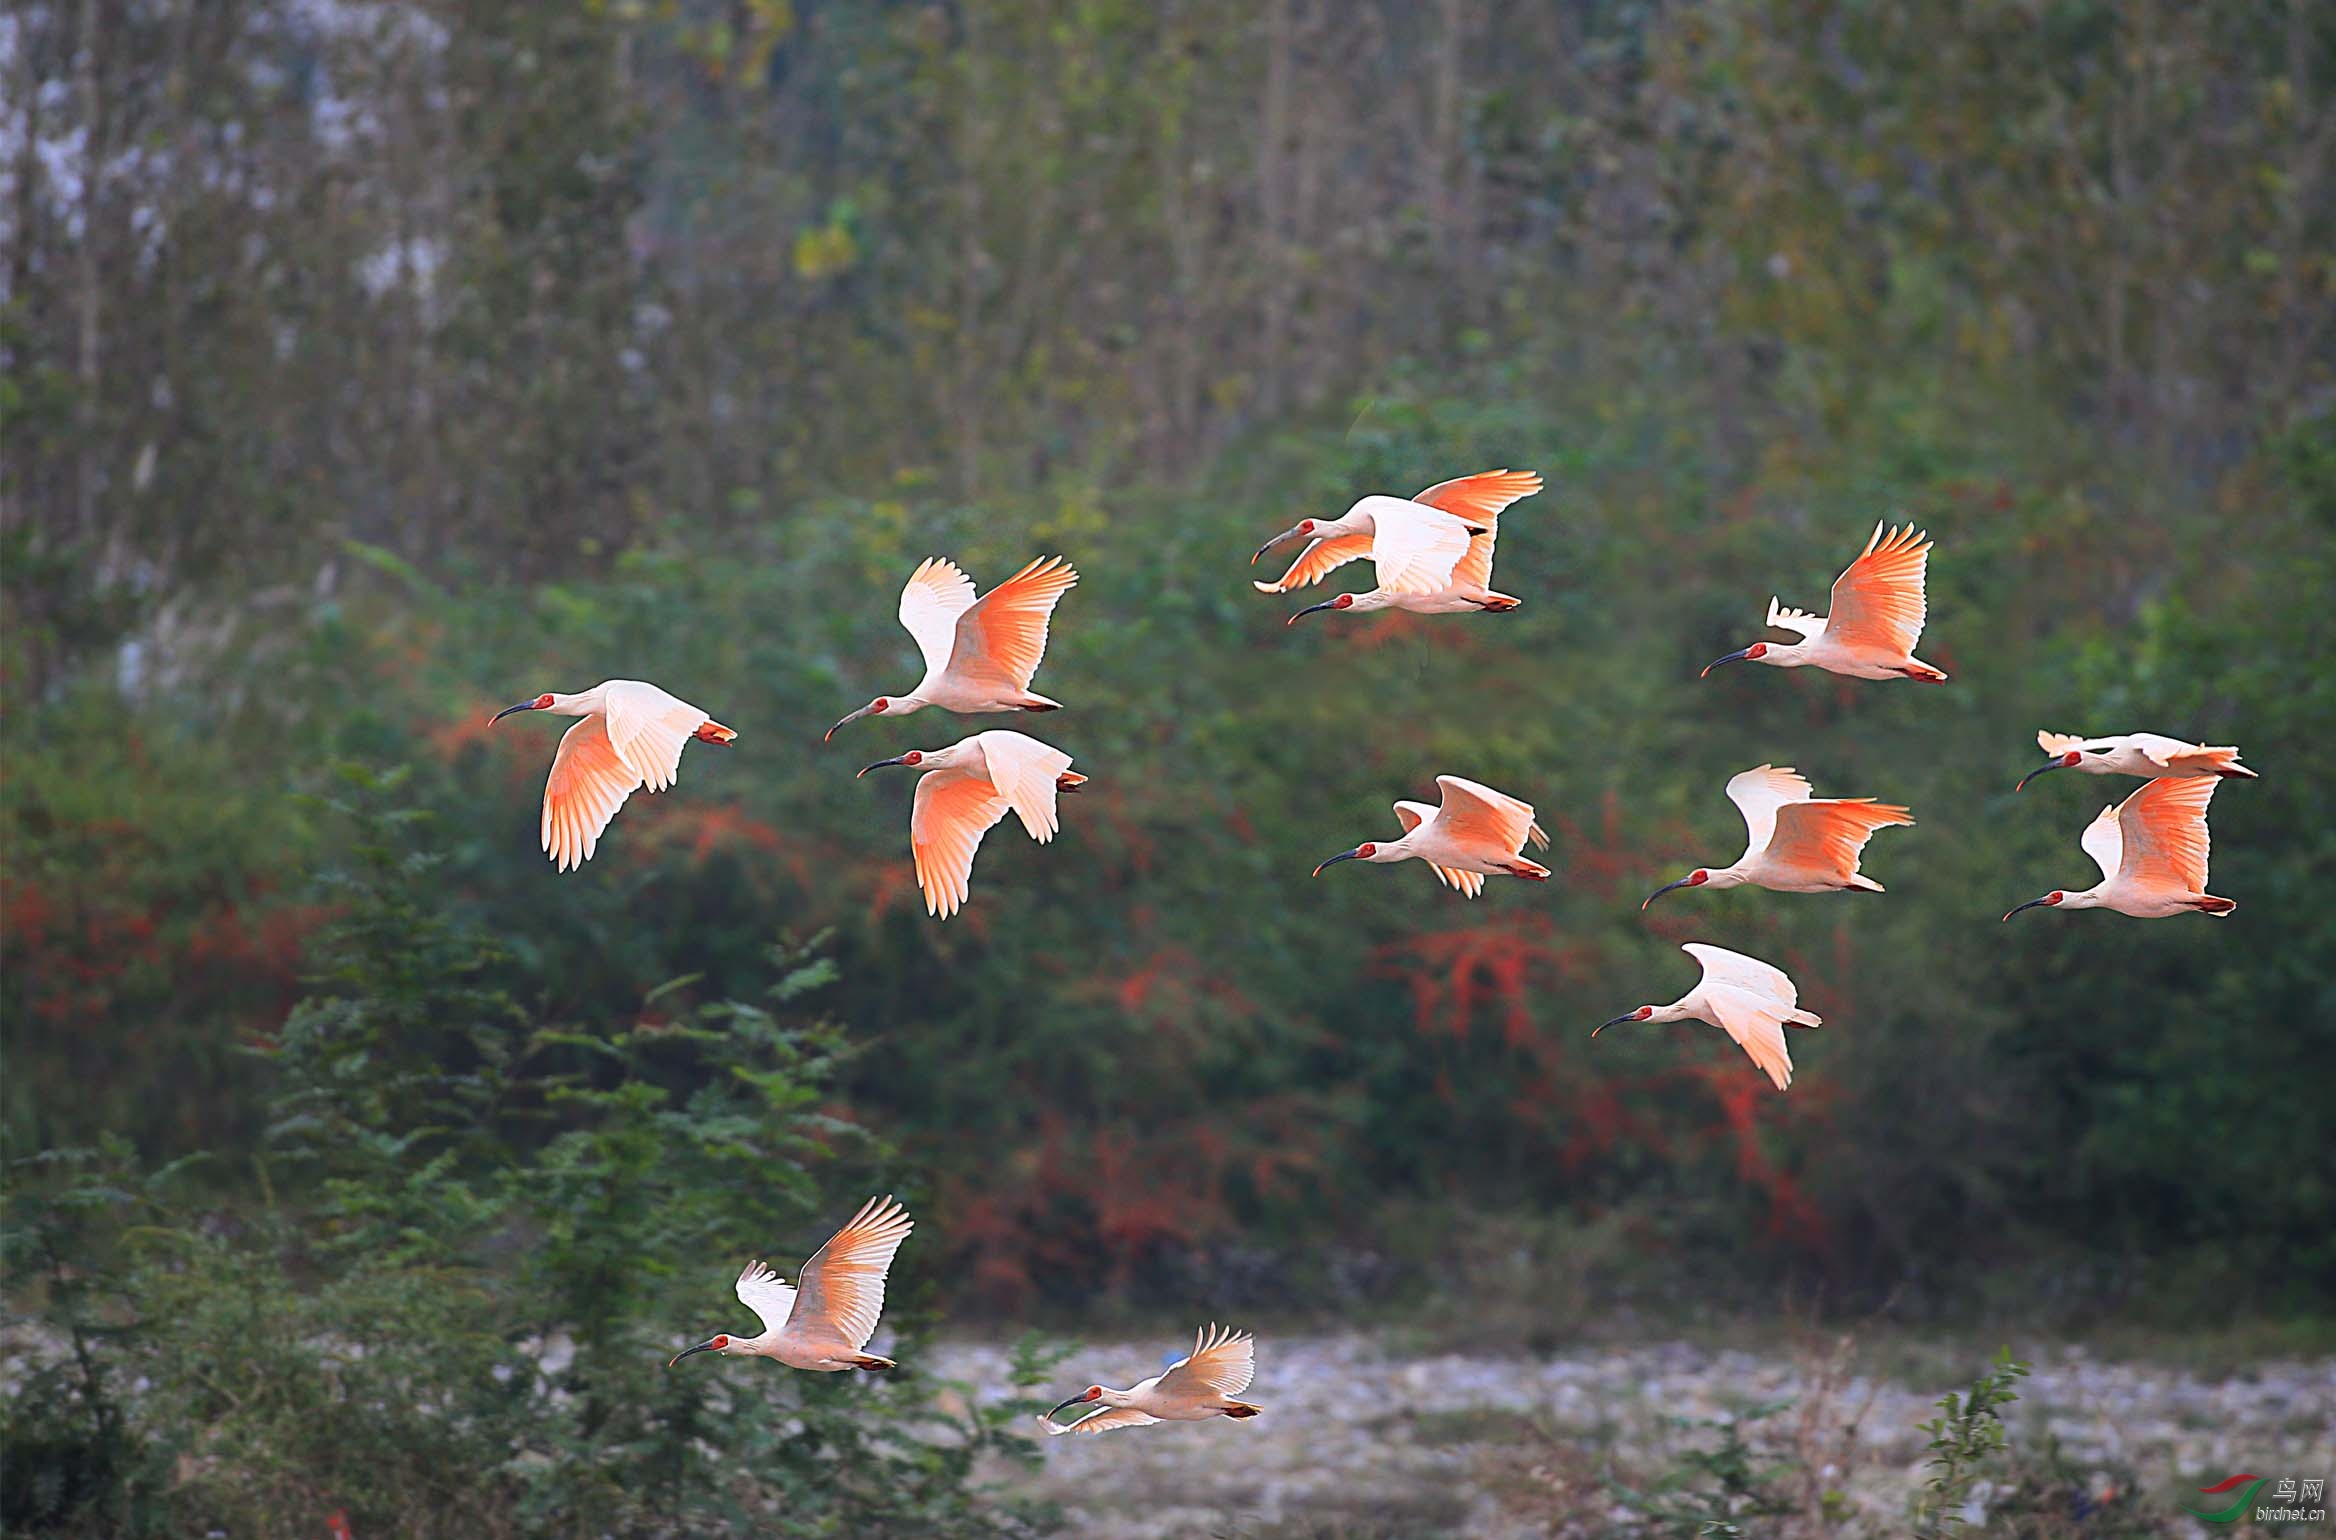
575,705
1112,1397
2090,898
1682,1009
1727,876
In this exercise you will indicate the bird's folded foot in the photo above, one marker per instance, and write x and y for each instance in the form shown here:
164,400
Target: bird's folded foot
1242,1409
1069,780
713,732
872,1361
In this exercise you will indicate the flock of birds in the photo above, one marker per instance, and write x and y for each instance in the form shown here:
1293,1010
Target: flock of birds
1432,554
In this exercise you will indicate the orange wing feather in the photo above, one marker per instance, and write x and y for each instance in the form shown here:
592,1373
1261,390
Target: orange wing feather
1318,561
2163,827
1878,600
1481,497
1006,627
1828,836
587,785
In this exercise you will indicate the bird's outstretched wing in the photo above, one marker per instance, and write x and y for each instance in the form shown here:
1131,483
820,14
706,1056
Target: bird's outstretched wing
761,1291
1756,1022
1320,559
647,727
1416,548
1829,836
2058,743
935,595
1785,618
1466,884
952,811
1481,497
1104,1421
587,785
2103,841
1412,814
1024,771
1003,636
2163,827
842,1286
1758,793
1221,1360
1733,970
1472,810
1878,599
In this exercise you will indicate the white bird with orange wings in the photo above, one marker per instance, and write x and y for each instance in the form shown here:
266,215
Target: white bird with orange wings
1203,1384
631,735
1878,613
1796,843
1476,833
2151,849
965,789
1433,553
2151,755
979,653
824,1321
1742,996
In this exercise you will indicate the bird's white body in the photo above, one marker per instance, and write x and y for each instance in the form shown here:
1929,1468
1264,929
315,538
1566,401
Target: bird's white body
1878,614
1744,997
825,1322
1475,833
980,653
631,735
1433,553
2152,850
1796,843
964,790
1204,1383
2149,755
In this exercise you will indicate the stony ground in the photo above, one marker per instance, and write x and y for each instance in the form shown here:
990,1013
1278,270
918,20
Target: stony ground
1359,1441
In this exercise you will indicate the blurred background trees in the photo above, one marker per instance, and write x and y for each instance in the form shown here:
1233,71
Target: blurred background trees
371,365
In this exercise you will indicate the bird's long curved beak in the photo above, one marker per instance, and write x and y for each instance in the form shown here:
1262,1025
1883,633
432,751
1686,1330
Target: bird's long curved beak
1684,882
1737,656
1288,534
1310,609
1616,1022
1059,1405
2054,763
881,764
1344,855
2030,904
525,705
846,722
703,1347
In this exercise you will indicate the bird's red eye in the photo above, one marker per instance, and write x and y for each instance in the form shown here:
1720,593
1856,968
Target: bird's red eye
1698,878
913,757
1093,1391
1305,526
1644,1012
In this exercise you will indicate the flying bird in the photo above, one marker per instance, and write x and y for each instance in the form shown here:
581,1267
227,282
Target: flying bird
965,789
825,1321
2151,849
979,653
1742,996
1798,843
1422,568
2150,755
1878,610
630,735
1198,1386
1477,832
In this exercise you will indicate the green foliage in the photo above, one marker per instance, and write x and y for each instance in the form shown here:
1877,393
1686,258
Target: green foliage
1727,1489
478,1241
1967,1436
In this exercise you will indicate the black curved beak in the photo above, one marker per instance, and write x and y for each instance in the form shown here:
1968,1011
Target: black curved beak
1059,1405
1308,610
1344,855
703,1347
844,722
525,705
880,764
1616,1022
1684,882
1737,656
2030,904
2054,763
1288,534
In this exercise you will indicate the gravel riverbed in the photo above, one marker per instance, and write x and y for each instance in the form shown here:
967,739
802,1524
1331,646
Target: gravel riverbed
1358,1440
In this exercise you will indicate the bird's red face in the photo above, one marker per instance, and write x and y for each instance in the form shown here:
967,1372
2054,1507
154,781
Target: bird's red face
1343,602
2070,758
1365,852
913,757
1756,651
539,703
1305,526
718,1343
1694,879
2049,900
